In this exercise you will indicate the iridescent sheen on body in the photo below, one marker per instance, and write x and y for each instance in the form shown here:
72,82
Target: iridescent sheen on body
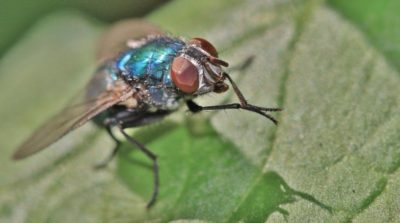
151,62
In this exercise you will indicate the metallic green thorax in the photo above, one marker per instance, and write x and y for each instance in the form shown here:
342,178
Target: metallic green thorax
151,62
149,65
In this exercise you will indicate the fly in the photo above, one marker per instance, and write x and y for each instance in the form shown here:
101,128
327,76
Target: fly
152,78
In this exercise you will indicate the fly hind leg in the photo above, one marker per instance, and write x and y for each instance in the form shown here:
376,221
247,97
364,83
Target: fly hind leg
127,119
131,119
114,152
153,158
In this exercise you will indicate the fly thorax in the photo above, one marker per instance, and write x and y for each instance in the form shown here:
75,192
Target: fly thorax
162,98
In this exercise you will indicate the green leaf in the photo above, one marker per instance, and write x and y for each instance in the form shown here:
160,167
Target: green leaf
333,158
379,21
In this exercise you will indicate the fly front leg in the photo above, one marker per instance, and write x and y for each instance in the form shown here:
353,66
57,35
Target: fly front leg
242,105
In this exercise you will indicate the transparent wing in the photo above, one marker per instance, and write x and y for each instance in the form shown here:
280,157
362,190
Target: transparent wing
98,95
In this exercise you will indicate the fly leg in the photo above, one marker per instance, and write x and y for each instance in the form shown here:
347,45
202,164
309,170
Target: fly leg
193,107
130,119
113,153
153,158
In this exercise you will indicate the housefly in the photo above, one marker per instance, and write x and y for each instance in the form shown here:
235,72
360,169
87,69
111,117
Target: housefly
151,78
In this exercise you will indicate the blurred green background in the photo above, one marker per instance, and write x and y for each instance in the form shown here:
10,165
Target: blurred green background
18,16
334,66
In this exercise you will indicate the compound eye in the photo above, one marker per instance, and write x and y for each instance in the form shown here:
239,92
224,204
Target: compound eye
205,45
185,75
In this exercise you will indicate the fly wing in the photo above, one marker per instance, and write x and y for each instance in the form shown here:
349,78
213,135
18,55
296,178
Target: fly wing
85,106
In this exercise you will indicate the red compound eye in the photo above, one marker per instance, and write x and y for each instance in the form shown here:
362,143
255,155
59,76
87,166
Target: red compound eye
205,45
185,75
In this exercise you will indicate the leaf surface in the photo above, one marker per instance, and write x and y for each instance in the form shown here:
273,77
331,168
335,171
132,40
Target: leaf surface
333,158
